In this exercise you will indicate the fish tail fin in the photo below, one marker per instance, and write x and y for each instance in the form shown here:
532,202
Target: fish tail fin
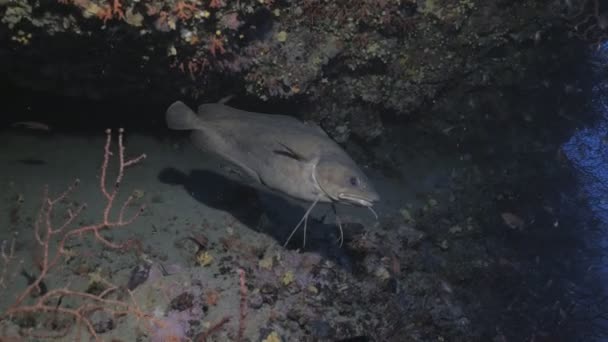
180,117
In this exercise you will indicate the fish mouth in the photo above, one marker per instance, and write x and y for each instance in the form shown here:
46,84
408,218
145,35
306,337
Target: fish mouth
357,200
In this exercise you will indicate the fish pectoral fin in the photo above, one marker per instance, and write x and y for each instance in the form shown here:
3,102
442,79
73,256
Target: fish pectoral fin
246,175
233,170
286,151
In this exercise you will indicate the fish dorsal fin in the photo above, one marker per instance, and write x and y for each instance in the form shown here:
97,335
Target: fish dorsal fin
214,111
316,127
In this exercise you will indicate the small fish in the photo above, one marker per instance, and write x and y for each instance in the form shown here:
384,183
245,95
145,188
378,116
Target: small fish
139,275
32,161
278,152
33,125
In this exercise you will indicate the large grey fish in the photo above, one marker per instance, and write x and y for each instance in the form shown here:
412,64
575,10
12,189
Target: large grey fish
278,152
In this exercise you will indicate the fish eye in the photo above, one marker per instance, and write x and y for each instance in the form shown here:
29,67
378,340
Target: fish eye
354,181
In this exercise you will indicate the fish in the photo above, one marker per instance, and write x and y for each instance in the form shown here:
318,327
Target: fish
33,125
31,161
279,153
139,275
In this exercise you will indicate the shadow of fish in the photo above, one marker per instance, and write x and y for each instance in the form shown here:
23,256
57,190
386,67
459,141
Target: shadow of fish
277,152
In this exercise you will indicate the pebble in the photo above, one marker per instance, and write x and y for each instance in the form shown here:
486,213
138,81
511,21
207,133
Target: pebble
256,300
412,236
321,329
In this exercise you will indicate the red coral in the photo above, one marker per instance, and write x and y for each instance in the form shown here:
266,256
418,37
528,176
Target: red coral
216,3
216,45
110,11
185,10
52,239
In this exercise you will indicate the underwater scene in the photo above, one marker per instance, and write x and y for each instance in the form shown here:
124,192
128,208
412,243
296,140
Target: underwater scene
304,170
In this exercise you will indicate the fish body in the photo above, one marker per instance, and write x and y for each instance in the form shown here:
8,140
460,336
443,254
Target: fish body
279,152
33,125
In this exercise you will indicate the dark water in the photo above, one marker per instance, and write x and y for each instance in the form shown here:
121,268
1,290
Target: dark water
587,150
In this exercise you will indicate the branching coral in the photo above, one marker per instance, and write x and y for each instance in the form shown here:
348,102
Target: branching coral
71,306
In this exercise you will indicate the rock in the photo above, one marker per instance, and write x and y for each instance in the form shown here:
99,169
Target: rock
182,302
298,315
269,293
455,230
412,236
320,329
407,216
102,322
256,300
